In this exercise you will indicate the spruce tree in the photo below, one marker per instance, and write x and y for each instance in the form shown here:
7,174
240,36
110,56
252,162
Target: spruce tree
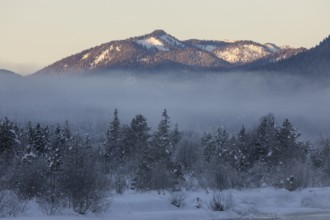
175,137
264,139
140,135
157,169
9,145
112,143
38,139
59,146
161,140
209,147
287,146
8,138
325,157
245,152
223,150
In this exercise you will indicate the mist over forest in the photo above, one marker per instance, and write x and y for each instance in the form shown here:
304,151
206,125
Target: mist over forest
128,110
196,101
70,142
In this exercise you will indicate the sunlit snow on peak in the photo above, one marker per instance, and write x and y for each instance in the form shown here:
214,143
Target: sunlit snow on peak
209,48
272,47
171,40
244,54
152,42
85,56
105,56
229,41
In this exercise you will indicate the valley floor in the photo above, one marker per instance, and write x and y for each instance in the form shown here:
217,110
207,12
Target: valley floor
265,203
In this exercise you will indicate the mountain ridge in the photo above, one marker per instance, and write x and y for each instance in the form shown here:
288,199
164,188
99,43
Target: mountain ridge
8,73
313,62
159,50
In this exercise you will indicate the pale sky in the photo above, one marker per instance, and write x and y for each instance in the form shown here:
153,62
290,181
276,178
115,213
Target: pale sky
36,33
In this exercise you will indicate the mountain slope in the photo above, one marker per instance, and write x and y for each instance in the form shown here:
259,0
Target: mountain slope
7,73
159,50
312,62
245,52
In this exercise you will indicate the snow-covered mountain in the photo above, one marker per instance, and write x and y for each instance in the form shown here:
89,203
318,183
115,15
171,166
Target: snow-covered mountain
245,52
160,50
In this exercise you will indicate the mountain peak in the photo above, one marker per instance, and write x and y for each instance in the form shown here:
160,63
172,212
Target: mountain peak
158,32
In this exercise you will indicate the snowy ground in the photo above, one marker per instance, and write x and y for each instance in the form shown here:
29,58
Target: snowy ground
266,203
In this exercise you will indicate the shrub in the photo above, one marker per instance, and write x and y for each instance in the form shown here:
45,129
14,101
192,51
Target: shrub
10,204
221,201
51,206
84,189
120,184
198,203
29,179
178,198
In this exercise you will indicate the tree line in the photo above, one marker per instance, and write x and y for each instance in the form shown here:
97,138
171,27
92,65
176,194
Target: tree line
61,168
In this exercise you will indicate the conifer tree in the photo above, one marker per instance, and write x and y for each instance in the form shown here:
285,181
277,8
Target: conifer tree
8,138
245,152
209,147
113,141
264,139
9,144
175,137
156,169
222,144
37,140
140,135
161,141
287,146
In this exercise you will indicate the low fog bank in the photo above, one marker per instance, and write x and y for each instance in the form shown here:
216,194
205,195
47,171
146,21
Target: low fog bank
200,102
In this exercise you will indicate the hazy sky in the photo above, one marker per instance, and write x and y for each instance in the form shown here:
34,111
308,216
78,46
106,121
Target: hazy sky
35,33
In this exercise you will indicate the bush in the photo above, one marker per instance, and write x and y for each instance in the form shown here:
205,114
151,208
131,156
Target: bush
178,199
295,176
219,176
29,179
85,189
10,204
198,203
120,184
51,206
221,201
291,183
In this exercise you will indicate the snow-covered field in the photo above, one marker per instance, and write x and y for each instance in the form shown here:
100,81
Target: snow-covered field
265,203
